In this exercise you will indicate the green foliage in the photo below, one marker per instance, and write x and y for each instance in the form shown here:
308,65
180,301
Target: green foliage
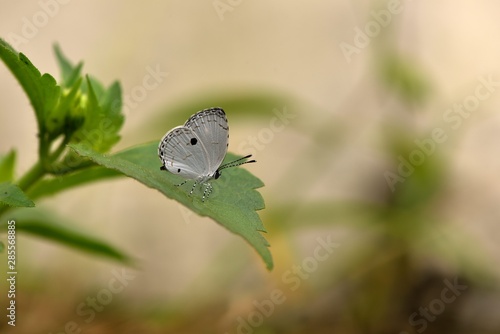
81,113
42,90
233,205
405,78
72,111
103,119
12,195
45,224
7,163
69,73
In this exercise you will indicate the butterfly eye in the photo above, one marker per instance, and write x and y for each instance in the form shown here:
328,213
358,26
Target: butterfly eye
217,175
194,141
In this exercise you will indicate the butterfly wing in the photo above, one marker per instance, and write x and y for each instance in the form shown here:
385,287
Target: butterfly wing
210,126
181,153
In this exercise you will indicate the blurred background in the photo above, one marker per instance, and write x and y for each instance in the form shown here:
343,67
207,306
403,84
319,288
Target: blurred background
376,128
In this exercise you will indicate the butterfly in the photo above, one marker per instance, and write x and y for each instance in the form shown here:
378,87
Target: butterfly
196,149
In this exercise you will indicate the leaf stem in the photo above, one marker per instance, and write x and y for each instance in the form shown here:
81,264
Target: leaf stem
39,169
32,176
60,149
43,151
62,169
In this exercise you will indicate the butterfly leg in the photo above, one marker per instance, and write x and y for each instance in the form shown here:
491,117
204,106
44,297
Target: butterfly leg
193,187
207,192
182,183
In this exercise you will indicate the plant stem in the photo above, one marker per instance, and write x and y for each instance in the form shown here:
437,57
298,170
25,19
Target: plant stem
32,176
60,149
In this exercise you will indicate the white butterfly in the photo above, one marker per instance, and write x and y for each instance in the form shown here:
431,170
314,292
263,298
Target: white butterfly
196,149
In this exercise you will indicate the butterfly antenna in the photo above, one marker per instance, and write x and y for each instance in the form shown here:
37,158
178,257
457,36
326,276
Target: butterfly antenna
237,162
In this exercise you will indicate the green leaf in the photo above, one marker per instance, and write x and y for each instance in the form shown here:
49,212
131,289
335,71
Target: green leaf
42,224
65,118
70,73
103,117
232,204
42,90
7,163
12,195
405,77
111,102
52,186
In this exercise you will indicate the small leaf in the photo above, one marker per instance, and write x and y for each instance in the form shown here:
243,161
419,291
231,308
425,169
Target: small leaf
70,73
62,118
232,204
42,90
12,195
103,118
42,224
7,163
111,102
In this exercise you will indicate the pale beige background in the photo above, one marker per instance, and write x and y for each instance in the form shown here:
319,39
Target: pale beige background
287,46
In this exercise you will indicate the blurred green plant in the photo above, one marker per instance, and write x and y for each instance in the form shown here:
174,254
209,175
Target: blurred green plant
405,78
78,122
